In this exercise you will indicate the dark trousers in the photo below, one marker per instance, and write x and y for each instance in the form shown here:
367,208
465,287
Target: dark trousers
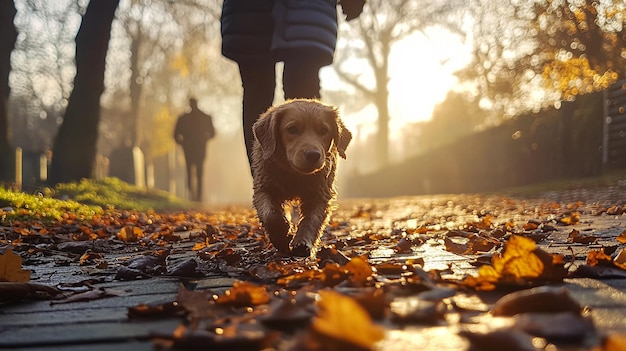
194,176
300,80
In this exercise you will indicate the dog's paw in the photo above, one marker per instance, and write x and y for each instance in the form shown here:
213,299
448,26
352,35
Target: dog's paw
301,250
277,229
281,244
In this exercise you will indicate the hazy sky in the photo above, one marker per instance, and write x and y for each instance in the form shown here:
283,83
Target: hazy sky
421,73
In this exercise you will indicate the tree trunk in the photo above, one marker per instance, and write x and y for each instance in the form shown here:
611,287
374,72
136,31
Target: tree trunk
382,138
381,100
74,150
135,86
8,35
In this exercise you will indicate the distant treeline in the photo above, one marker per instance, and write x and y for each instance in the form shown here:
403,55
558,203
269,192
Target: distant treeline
534,147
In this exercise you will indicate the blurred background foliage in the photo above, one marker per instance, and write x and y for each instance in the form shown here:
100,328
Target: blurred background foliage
511,66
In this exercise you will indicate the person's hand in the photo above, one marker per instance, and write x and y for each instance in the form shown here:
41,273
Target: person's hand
352,8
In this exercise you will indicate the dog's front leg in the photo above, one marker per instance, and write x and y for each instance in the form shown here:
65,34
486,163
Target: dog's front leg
315,216
272,217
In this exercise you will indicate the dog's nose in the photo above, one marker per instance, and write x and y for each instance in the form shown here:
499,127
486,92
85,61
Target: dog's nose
312,156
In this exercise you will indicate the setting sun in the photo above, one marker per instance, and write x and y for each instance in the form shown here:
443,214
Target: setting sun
422,70
421,73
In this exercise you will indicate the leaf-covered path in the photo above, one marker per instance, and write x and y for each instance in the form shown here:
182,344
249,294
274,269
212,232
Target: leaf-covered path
434,273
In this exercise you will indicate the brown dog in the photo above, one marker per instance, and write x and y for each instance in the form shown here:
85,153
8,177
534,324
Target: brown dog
294,158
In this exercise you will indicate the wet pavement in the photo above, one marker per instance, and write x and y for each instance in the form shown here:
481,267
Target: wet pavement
103,324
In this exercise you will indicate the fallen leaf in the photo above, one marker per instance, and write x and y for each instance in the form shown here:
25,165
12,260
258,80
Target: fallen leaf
153,263
600,258
331,254
473,243
244,294
25,290
612,342
541,299
77,247
199,304
359,270
403,246
576,237
454,247
531,225
161,310
90,257
90,295
415,310
239,337
342,319
570,219
187,268
599,272
521,264
373,300
305,276
130,234
396,269
561,326
287,314
125,273
503,339
11,268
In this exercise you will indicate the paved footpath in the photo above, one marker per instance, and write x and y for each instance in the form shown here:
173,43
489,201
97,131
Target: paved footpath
103,324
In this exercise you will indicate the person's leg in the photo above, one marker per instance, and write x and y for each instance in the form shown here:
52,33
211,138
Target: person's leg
200,180
301,78
193,188
188,165
258,79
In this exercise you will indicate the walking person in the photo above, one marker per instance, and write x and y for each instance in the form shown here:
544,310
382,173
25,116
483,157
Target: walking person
193,131
300,33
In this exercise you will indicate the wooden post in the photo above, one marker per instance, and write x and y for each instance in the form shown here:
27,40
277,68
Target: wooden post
43,168
139,165
150,175
18,168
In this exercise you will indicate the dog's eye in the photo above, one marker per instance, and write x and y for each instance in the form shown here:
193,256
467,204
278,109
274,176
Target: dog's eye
292,130
323,130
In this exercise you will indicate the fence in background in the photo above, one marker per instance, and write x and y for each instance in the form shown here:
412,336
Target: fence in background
31,170
614,134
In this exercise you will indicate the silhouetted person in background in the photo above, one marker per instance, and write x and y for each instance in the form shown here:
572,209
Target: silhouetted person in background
301,33
193,130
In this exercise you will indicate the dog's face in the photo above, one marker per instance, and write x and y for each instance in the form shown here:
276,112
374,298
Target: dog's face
306,130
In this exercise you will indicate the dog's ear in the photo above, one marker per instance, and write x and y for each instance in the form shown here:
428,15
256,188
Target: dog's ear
343,135
265,131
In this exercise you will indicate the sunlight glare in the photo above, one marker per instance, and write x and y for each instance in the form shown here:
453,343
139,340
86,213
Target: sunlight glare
422,70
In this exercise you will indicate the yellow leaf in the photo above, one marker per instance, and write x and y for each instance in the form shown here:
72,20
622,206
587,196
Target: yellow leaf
341,318
521,263
244,294
518,259
130,234
11,268
359,269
